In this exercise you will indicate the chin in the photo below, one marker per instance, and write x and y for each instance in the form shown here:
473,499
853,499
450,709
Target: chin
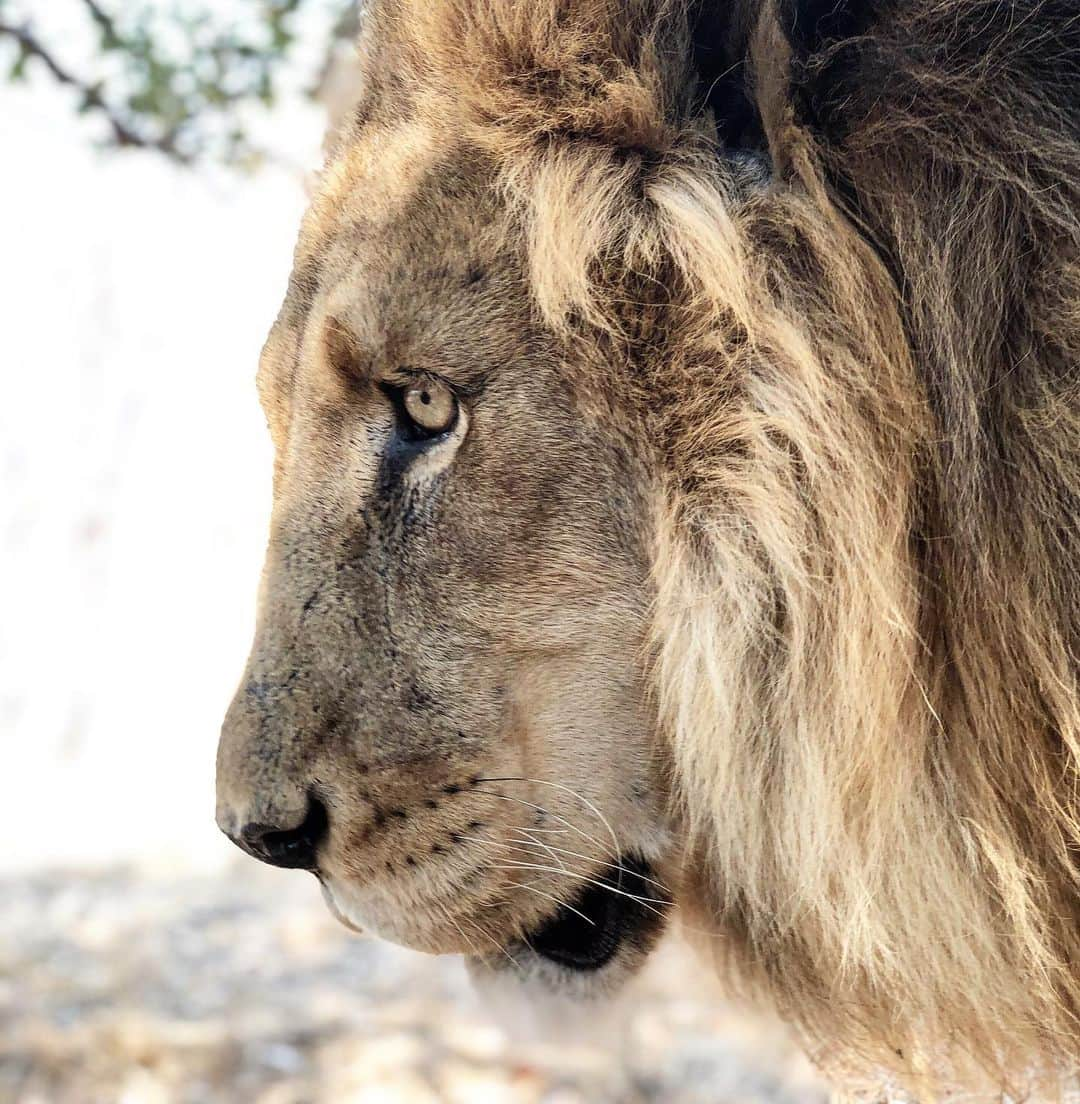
587,947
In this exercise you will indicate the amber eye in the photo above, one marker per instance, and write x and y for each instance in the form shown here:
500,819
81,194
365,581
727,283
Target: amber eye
431,406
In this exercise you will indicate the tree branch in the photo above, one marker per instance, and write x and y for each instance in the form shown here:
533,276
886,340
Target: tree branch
123,134
102,19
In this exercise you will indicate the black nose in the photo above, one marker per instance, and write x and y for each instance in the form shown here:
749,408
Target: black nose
293,848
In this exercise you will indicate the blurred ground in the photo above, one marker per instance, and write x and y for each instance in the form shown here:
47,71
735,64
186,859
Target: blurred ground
240,989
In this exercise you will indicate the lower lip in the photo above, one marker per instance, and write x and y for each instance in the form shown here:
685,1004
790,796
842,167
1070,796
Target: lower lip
383,918
332,905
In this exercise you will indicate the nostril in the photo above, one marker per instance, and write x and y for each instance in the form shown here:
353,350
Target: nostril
293,848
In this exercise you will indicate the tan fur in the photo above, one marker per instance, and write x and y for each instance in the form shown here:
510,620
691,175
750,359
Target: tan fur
856,491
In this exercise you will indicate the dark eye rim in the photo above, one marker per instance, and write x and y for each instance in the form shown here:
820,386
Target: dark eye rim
410,429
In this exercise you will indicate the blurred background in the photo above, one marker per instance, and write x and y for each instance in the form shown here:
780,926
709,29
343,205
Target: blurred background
156,159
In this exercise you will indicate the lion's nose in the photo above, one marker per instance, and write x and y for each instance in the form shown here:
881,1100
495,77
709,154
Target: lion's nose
295,848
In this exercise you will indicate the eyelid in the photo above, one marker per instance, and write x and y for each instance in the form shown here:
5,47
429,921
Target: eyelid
411,377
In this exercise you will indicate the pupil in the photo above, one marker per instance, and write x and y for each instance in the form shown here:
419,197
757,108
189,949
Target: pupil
425,398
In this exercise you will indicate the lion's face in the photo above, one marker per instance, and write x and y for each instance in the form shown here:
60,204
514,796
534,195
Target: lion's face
443,711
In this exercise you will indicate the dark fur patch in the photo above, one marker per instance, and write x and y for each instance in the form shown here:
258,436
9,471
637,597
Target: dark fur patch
721,64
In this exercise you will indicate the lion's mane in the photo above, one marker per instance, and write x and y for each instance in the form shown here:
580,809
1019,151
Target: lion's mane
865,383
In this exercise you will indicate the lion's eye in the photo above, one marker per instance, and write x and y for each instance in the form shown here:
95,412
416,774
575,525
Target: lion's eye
431,406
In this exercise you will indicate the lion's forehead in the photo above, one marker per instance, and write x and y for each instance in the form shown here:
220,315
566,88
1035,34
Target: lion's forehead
373,176
379,220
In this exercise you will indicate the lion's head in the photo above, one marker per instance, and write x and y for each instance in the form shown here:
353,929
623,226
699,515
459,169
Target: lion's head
621,556
444,711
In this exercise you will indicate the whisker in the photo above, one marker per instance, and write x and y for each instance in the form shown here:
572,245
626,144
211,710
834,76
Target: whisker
517,864
558,900
614,866
573,793
495,943
695,929
509,851
445,913
547,812
514,845
645,902
550,850
521,846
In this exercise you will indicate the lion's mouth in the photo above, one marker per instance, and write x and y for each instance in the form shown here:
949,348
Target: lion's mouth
622,906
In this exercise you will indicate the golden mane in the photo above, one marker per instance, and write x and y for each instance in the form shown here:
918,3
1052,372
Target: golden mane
865,628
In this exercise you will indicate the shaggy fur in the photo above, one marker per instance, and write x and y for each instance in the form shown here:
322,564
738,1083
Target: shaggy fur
859,384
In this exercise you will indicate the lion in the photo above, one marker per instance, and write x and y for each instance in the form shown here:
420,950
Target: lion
676,412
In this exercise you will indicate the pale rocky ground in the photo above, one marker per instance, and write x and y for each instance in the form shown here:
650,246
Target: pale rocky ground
240,988
142,961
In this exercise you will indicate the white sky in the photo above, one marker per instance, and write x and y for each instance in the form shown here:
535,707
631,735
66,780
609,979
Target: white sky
134,477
